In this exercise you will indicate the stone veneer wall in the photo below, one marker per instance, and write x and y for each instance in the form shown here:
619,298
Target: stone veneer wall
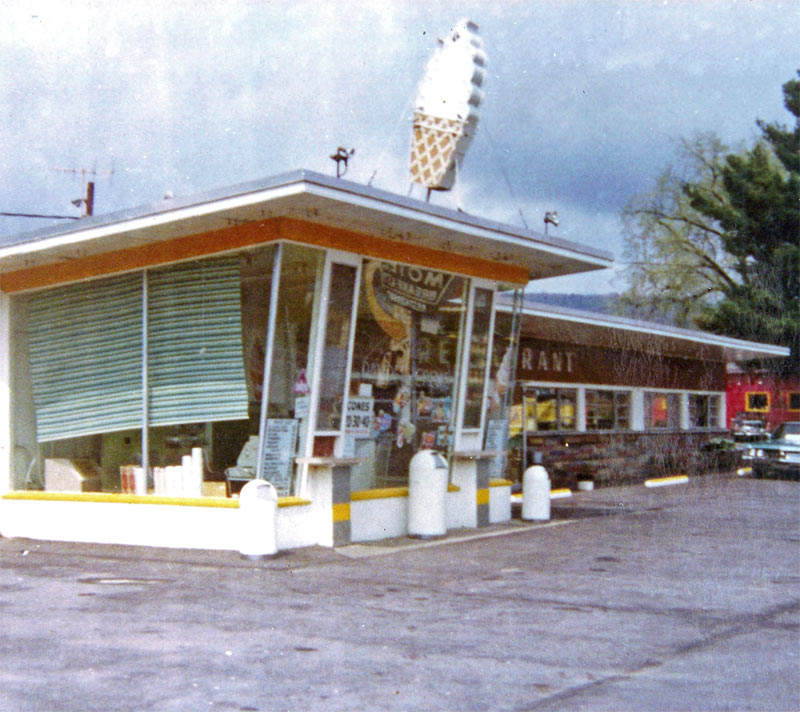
623,458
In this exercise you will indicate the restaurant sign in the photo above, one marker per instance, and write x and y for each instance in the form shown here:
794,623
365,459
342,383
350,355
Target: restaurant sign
541,360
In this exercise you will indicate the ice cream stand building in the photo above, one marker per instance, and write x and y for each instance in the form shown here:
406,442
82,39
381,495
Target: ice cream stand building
303,329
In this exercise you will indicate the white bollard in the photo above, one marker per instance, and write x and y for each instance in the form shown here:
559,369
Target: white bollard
536,494
427,493
258,508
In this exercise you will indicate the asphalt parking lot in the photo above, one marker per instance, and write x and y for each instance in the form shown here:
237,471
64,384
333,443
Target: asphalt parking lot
676,598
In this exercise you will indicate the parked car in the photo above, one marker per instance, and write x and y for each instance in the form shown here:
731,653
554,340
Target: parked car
779,456
747,428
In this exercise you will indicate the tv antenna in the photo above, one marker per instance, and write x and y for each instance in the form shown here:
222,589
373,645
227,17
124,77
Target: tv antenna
87,202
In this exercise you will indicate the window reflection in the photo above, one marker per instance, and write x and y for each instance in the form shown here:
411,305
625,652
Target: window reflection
478,353
661,410
408,332
550,409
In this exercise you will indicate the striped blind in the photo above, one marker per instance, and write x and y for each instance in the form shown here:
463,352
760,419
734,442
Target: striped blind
85,350
195,364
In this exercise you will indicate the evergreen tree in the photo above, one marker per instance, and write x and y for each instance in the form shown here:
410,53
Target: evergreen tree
759,218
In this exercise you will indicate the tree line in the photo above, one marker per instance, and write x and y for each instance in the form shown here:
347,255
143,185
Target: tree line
716,243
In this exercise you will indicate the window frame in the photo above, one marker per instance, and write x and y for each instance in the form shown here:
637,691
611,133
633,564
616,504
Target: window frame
673,415
465,354
768,397
558,390
713,409
617,394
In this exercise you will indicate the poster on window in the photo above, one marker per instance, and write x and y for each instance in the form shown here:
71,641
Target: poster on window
497,439
415,288
279,452
359,417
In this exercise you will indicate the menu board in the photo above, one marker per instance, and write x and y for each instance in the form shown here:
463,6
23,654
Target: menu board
496,439
279,452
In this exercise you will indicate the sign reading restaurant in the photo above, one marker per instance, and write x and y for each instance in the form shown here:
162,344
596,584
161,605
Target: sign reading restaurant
541,360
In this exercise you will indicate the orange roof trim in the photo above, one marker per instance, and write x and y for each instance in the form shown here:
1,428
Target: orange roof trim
249,235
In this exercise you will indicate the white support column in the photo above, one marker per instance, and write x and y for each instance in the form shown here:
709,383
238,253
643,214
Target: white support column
684,411
5,393
460,395
637,409
580,407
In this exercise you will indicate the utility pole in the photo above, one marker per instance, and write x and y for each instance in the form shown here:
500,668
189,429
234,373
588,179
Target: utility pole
88,201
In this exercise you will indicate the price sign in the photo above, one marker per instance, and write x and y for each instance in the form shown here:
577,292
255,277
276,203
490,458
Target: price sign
359,417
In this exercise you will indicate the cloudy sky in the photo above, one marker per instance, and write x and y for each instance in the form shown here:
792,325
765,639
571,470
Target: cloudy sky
585,99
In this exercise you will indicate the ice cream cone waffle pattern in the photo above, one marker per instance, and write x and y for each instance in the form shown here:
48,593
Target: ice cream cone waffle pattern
445,110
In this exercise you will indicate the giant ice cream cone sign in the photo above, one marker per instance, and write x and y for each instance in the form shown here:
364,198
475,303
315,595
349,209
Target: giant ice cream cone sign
446,107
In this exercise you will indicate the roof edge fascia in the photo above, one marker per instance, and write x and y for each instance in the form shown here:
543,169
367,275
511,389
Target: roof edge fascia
650,329
294,182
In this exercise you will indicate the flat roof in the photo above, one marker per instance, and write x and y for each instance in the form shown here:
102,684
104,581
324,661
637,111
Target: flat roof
312,197
564,325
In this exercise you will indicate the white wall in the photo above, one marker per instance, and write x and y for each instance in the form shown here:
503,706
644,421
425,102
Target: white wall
499,503
5,393
375,519
161,525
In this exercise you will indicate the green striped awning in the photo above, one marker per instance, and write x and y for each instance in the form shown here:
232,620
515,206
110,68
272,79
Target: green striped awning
196,370
85,348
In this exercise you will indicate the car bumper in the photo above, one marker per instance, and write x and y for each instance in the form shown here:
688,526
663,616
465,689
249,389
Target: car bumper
776,468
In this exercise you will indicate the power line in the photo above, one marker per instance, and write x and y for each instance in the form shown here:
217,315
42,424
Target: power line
37,215
500,165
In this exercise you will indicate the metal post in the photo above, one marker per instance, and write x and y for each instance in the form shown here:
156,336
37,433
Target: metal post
145,381
90,198
268,349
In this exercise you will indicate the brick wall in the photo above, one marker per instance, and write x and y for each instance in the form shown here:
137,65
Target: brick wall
622,458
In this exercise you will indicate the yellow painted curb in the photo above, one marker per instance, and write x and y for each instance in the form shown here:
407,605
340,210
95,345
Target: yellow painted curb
665,481
120,498
383,493
560,493
341,512
482,496
292,501
500,483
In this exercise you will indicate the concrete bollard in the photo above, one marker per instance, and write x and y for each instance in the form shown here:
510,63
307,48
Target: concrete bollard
536,494
427,493
258,508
